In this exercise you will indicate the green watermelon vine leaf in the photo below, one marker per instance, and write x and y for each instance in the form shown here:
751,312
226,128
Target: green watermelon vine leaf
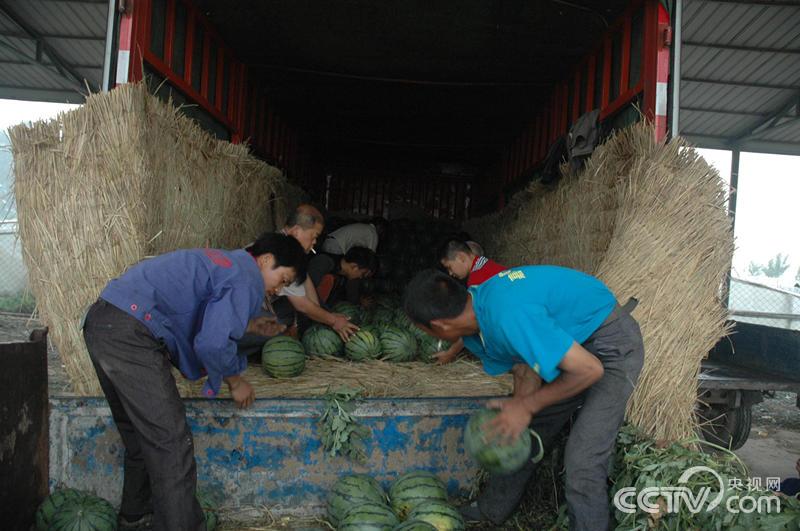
340,431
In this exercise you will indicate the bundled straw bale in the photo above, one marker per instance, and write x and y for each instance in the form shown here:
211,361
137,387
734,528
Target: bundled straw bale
121,178
649,219
376,378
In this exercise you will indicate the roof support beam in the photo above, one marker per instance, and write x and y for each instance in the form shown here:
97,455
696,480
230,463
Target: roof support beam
43,63
745,84
61,65
776,3
729,111
736,47
26,36
770,121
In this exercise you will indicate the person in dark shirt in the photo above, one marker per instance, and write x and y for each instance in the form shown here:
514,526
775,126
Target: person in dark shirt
184,309
330,273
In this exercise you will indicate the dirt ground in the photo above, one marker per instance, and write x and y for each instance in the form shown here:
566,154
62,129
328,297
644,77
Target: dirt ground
774,444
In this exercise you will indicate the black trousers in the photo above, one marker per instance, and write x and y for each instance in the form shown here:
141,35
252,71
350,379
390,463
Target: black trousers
133,367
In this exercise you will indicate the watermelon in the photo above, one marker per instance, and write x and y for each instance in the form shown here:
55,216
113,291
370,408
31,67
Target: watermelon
414,525
209,510
363,345
402,320
350,310
322,341
84,513
283,357
398,344
52,505
380,316
369,516
493,456
414,488
351,491
441,515
429,345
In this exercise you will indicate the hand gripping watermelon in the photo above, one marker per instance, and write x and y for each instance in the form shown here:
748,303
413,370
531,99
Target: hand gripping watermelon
493,456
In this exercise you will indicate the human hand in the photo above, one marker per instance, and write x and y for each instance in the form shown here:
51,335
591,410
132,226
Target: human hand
342,326
241,391
513,419
265,326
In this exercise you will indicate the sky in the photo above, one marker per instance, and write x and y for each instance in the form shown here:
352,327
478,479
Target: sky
767,217
767,213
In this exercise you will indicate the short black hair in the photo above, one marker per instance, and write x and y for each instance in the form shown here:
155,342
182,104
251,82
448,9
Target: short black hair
433,295
363,258
450,247
287,252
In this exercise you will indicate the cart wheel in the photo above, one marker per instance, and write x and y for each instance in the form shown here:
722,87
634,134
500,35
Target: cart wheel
729,429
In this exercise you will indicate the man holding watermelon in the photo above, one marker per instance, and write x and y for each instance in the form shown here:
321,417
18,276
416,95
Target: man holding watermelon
184,309
564,326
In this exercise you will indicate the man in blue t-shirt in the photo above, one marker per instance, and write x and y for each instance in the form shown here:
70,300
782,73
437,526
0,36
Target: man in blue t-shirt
565,327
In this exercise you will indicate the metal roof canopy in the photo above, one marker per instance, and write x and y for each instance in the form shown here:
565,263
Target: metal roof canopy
739,71
50,50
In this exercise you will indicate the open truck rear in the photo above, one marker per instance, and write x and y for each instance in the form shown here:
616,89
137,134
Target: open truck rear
438,112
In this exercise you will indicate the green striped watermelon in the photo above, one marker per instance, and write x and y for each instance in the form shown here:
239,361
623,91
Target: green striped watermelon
53,503
494,457
283,357
414,488
84,513
350,310
402,320
440,514
322,341
369,516
363,345
414,525
398,344
380,316
351,491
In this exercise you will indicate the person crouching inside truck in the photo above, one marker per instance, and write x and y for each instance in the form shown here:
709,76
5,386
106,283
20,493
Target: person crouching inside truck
185,309
565,327
464,260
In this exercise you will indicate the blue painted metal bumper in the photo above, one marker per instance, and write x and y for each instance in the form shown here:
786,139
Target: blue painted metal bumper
270,454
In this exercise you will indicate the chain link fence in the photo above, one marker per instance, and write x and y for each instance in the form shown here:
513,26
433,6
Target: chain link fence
758,303
15,296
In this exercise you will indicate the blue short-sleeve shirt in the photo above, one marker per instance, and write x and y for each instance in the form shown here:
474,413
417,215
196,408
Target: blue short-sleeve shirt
533,314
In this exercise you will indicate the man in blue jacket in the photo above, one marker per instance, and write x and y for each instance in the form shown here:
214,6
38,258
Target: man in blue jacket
185,309
567,328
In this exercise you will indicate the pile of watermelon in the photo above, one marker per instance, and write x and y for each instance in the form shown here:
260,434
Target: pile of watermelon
407,247
417,501
77,510
385,333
